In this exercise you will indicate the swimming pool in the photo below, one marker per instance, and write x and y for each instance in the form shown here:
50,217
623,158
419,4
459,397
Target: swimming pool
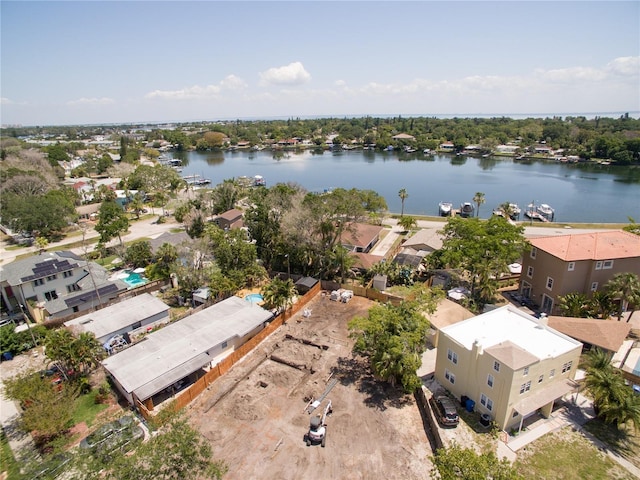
254,298
134,279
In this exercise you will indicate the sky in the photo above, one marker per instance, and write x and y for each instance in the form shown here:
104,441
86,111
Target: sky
98,62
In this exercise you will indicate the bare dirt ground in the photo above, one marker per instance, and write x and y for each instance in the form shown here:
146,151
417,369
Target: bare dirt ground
254,416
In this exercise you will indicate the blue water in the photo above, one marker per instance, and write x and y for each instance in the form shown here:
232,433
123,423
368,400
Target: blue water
134,280
254,298
577,192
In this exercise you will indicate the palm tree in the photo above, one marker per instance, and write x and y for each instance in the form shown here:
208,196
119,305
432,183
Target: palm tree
279,294
403,195
574,305
601,305
407,222
625,287
478,199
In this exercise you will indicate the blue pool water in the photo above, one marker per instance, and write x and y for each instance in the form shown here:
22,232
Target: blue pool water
134,280
254,298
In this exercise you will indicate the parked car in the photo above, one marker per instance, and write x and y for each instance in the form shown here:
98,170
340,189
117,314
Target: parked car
446,411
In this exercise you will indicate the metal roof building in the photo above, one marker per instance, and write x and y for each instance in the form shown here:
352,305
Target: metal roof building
181,349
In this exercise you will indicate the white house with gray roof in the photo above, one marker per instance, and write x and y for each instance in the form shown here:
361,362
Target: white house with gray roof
509,363
122,318
176,355
59,283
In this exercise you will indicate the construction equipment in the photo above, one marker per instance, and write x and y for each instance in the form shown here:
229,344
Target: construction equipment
318,428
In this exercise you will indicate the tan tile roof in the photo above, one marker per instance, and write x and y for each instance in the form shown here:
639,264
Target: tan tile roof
511,355
590,246
606,334
366,260
360,234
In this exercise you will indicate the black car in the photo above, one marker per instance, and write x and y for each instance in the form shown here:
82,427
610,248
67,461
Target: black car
445,411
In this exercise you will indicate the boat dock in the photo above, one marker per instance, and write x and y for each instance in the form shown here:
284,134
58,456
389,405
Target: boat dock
535,216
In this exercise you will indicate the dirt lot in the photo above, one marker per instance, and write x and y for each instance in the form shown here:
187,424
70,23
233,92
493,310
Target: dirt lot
254,415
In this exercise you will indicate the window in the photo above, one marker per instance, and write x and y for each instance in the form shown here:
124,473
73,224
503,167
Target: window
452,356
496,366
540,378
489,404
72,288
52,295
136,325
607,264
525,372
549,283
534,250
76,309
224,344
490,380
67,274
598,265
594,286
566,367
449,376
552,373
525,387
51,278
38,282
530,271
515,414
571,267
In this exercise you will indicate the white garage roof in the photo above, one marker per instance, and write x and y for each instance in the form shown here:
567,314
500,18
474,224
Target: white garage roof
121,315
180,348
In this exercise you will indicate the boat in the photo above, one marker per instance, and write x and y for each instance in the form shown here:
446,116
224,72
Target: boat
466,209
444,209
546,211
259,181
542,212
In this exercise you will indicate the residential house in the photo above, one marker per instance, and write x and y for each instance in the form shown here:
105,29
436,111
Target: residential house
89,212
230,219
177,355
607,335
360,237
509,364
122,318
580,263
404,137
56,284
507,149
447,147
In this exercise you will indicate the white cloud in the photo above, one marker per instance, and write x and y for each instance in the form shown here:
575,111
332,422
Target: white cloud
5,101
91,101
292,74
340,83
230,82
625,66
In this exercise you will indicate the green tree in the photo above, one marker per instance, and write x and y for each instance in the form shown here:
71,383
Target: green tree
56,153
76,355
47,407
279,294
138,254
340,262
408,222
625,288
574,305
393,339
484,249
163,262
403,195
457,463
177,452
112,222
478,199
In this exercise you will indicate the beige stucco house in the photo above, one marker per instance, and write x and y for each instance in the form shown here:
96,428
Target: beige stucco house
509,363
582,263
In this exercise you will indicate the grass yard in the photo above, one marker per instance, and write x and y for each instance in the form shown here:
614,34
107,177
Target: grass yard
567,455
87,409
624,441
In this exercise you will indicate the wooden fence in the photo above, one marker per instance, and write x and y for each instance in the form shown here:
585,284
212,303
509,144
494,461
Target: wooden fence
195,389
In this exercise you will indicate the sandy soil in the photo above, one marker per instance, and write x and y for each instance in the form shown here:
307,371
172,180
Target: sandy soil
255,419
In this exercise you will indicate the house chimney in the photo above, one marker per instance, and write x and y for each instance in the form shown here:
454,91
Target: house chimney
543,320
476,349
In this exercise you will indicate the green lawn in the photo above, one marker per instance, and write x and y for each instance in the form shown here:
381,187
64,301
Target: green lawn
624,441
567,455
87,409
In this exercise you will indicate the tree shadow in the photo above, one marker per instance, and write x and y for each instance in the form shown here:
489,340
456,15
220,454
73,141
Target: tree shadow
380,395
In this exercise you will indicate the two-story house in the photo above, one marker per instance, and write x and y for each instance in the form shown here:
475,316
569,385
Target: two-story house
56,284
510,364
582,263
